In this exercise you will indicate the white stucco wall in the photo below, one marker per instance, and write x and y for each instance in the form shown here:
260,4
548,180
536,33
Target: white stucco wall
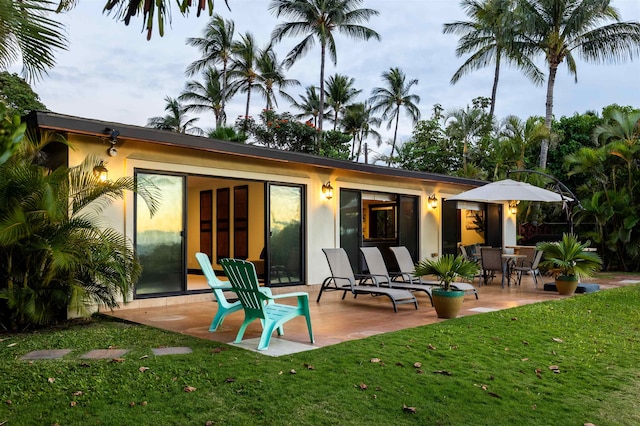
322,215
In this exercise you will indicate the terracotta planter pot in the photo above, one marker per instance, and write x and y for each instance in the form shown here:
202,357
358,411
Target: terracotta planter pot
447,303
566,285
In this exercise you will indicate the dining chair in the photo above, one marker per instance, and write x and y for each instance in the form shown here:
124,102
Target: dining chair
530,268
492,262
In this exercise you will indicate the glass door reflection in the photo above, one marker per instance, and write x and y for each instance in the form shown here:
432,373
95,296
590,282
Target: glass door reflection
286,242
159,239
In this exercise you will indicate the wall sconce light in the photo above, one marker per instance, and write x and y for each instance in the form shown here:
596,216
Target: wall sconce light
327,190
513,207
101,172
433,201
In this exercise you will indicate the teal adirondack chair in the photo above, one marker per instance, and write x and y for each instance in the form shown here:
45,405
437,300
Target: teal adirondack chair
258,305
224,306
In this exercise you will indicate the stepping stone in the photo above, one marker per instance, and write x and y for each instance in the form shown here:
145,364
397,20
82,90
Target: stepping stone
177,350
484,310
46,354
104,353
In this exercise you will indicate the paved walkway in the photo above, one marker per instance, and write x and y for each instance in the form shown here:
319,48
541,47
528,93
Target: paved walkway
110,353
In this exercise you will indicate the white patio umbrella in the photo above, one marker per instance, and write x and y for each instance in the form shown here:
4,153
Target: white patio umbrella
509,190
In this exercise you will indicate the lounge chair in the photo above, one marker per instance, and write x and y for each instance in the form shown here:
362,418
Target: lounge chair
258,305
407,269
375,263
224,306
343,279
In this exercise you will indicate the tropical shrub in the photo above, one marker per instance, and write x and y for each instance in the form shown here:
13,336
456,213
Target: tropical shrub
55,255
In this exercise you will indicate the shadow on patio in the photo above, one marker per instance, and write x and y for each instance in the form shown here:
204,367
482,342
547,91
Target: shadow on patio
334,320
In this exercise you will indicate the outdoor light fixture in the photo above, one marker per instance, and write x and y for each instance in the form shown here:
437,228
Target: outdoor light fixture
101,172
433,201
327,190
113,140
513,207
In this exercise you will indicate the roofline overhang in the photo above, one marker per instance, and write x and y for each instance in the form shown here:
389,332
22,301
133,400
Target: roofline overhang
83,126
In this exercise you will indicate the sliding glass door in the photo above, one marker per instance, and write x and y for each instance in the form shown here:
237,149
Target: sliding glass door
159,240
285,234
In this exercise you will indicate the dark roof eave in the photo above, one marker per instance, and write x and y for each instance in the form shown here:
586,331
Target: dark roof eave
60,122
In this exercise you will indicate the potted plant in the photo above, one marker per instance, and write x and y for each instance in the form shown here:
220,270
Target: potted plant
447,299
569,260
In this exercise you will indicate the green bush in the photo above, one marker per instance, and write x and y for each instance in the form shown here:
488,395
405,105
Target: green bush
54,253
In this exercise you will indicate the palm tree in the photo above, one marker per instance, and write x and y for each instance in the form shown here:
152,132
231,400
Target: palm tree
29,34
358,121
124,10
227,134
514,139
320,19
310,105
394,96
489,38
216,46
207,96
340,92
55,253
556,29
243,74
176,121
466,124
271,75
622,134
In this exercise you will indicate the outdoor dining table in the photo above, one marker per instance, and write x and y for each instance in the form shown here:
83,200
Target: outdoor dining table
510,260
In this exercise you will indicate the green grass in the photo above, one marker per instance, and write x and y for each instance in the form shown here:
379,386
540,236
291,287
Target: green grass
496,365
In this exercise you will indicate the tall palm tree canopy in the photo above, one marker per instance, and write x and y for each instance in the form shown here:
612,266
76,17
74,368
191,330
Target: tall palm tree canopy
206,96
308,105
320,19
358,121
216,47
559,29
271,76
243,73
27,33
394,96
489,37
340,92
151,11
176,121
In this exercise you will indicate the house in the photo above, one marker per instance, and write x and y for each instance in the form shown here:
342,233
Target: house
275,208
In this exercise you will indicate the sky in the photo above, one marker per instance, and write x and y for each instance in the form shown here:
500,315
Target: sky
111,72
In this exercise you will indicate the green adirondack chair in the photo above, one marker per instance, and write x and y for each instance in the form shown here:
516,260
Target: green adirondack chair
224,306
258,305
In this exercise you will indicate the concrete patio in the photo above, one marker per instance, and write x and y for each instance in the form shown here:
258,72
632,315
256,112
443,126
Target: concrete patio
335,320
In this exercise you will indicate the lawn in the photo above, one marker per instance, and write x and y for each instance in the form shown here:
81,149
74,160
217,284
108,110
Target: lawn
566,362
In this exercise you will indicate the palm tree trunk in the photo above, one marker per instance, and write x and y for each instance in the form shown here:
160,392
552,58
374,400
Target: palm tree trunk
494,90
353,147
321,101
357,157
465,153
222,120
246,112
544,145
395,135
